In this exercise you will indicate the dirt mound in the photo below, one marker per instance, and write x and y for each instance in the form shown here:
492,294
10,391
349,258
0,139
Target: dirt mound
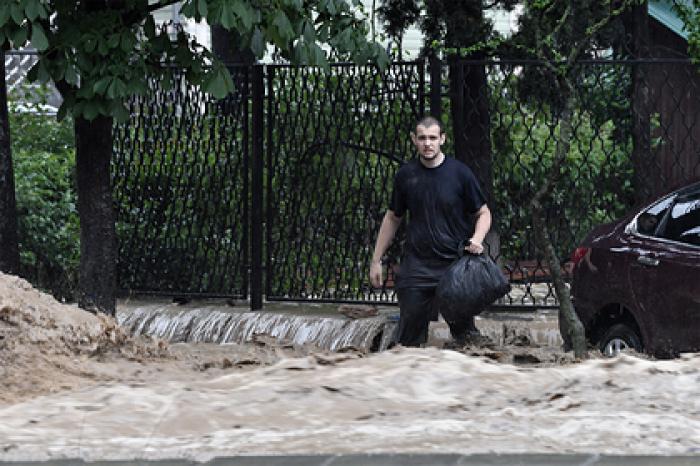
44,345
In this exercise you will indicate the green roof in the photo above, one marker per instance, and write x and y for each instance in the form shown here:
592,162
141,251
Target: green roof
662,11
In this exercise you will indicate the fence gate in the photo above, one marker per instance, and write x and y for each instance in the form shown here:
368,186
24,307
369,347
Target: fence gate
181,188
334,141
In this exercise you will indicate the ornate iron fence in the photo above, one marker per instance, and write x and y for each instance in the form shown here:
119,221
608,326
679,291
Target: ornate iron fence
334,142
319,150
181,188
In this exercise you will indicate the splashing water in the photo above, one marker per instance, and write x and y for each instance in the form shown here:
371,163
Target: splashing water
214,325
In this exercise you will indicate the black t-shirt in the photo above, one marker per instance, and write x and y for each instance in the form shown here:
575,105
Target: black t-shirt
441,202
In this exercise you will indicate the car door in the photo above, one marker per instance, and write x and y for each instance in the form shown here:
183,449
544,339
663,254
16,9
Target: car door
665,276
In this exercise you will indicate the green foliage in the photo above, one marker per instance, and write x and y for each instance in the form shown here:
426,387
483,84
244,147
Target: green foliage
33,130
48,220
562,33
595,185
44,160
99,55
689,12
451,27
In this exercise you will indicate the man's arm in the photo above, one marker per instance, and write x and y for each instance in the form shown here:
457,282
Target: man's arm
483,223
387,231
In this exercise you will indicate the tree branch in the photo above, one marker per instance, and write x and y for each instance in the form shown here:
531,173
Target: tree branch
593,30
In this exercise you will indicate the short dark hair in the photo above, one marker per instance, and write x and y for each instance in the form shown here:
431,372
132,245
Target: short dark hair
429,121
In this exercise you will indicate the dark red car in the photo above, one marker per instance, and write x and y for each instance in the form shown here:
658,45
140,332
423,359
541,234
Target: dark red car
636,282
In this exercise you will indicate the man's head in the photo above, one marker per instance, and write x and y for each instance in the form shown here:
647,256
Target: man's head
428,138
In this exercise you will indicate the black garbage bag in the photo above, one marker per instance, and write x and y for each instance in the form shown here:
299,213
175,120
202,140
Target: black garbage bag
469,285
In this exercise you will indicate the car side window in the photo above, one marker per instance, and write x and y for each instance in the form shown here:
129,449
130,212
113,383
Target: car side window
683,223
649,221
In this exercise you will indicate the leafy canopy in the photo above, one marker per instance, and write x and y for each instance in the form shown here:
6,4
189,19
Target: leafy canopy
448,25
689,12
100,52
560,34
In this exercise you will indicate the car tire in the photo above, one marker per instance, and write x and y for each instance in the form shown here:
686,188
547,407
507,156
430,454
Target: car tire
619,337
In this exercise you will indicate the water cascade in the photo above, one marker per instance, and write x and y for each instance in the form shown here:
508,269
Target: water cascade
218,324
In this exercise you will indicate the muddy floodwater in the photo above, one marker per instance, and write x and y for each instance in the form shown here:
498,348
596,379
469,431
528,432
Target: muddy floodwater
73,385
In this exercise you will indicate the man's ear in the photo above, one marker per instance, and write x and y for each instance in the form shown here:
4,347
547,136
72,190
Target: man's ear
413,137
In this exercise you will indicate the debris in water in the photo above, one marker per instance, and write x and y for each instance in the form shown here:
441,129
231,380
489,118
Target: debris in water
358,311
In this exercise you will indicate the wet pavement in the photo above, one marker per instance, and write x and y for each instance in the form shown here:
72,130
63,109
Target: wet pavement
400,460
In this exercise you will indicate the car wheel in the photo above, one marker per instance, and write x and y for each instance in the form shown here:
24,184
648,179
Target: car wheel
619,337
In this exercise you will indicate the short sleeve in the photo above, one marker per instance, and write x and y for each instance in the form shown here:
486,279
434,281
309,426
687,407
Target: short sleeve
397,203
474,197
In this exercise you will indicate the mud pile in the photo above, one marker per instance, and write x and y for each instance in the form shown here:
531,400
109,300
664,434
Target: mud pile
44,344
48,347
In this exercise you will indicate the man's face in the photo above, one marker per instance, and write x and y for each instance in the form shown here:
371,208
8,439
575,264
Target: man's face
428,141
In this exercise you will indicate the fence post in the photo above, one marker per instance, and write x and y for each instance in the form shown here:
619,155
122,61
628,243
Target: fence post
436,87
270,147
256,228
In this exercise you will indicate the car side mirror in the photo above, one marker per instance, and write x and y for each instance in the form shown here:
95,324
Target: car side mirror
647,223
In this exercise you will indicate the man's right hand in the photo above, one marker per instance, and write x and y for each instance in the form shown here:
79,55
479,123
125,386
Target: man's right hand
375,274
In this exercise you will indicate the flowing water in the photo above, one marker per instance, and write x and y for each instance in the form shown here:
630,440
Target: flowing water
219,324
317,325
75,385
407,400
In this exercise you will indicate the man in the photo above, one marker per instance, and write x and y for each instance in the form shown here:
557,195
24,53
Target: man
441,194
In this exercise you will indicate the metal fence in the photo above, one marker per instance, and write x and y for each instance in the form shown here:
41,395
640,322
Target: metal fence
301,162
334,142
181,187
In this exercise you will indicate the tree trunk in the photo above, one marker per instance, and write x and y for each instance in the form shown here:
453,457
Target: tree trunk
569,324
472,132
98,242
646,174
225,45
9,241
471,121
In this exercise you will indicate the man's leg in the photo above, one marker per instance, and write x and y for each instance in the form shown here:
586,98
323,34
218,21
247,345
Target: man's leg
459,329
462,327
464,332
416,311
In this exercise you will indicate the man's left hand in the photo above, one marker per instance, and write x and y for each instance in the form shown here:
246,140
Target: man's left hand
474,247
